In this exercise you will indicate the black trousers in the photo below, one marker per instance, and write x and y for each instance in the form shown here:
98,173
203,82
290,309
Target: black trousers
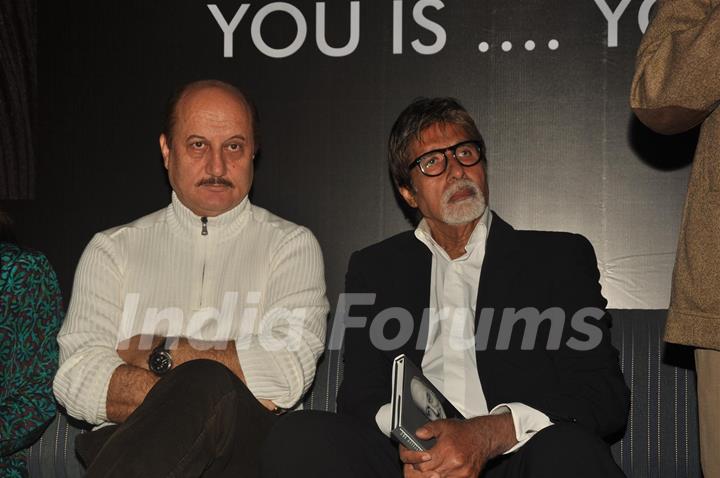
318,444
199,420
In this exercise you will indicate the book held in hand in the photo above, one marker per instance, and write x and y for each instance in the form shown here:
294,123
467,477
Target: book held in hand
415,401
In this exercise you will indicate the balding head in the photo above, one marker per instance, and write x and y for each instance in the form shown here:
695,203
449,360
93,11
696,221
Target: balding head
174,103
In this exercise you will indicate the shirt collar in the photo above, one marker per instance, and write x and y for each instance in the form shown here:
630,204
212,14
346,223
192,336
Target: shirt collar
478,238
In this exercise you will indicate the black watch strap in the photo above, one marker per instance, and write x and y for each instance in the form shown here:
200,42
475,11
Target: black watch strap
160,360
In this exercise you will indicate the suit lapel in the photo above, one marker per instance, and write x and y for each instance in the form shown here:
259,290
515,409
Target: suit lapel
418,264
497,271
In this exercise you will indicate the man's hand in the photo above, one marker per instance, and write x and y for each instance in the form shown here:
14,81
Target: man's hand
462,447
136,350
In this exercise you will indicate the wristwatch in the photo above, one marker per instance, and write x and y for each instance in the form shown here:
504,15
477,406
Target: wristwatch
160,360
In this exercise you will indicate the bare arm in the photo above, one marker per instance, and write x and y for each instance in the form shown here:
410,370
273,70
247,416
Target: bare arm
128,387
221,351
136,350
131,383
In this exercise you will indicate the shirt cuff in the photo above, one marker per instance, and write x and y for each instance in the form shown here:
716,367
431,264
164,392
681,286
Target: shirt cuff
270,374
527,421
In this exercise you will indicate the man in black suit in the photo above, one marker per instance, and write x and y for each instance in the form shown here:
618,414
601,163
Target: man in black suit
509,325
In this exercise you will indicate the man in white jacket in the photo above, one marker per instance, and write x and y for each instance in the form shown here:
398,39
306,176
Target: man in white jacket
189,327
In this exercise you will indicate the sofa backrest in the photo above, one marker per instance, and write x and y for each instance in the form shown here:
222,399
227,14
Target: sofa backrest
53,456
661,439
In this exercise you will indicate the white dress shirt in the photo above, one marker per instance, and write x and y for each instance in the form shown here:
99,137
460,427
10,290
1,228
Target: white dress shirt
450,362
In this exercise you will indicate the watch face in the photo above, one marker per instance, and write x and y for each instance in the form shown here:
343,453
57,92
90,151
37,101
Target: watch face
160,361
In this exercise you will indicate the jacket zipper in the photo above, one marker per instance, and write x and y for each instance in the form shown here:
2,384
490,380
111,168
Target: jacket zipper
204,232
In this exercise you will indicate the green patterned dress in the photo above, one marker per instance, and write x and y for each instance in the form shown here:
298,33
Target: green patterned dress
30,316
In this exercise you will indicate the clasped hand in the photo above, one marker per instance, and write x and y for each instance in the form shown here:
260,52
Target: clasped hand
462,447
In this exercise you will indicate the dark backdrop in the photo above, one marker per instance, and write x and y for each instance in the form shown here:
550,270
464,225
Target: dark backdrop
565,153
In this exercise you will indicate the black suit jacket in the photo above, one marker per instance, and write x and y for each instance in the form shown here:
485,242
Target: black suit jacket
521,269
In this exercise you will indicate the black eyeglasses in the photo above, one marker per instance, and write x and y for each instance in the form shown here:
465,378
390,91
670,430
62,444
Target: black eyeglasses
434,163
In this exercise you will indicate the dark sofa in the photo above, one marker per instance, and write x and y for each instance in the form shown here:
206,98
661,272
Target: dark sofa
661,439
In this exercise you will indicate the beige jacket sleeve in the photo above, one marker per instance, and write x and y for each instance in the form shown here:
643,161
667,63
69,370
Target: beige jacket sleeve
677,74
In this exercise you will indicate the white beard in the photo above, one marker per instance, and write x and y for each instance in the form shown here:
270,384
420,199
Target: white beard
466,210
